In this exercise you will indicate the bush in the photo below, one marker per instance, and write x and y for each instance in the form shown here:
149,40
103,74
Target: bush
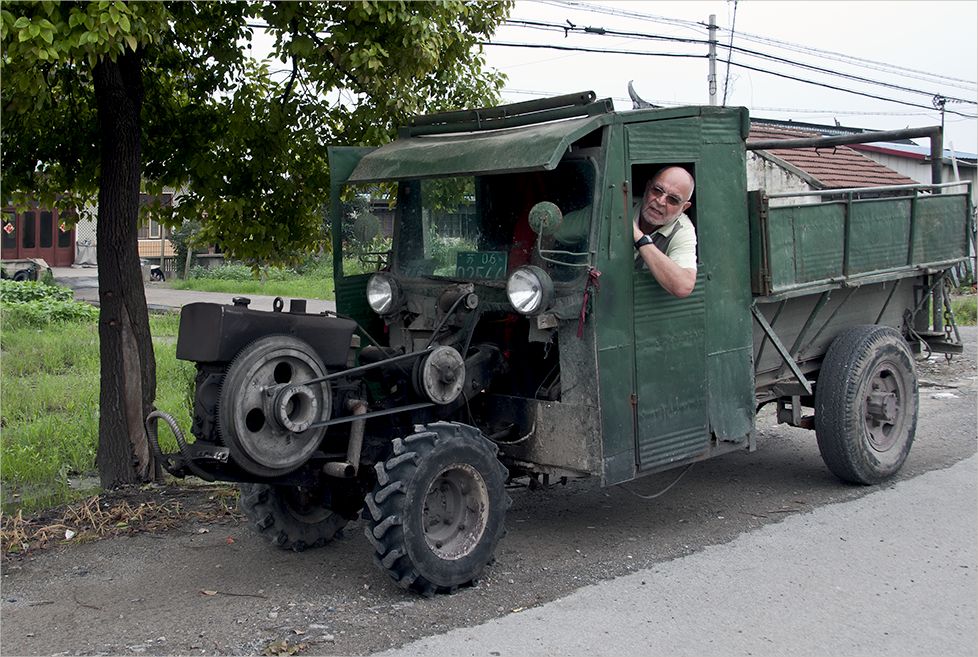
36,304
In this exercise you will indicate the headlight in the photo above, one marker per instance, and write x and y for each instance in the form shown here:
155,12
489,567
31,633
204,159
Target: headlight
530,290
383,294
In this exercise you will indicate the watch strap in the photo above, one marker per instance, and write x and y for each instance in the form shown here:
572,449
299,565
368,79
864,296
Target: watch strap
642,241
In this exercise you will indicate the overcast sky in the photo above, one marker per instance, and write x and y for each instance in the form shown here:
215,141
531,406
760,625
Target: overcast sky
935,42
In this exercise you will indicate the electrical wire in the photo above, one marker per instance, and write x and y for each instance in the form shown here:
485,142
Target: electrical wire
726,80
787,45
745,66
606,51
731,48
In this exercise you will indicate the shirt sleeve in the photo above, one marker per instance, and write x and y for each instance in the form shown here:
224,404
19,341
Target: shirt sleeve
682,248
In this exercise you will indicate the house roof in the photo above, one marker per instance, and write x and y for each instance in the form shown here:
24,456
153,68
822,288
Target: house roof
828,168
914,152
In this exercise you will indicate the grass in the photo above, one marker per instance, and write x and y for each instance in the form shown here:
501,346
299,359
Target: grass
965,309
311,280
49,405
300,287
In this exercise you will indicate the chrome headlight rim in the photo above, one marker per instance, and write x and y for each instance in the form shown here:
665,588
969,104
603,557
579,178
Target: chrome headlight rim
530,290
383,294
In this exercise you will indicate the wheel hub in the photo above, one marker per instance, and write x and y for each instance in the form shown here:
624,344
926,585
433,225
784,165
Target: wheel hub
884,408
456,511
295,408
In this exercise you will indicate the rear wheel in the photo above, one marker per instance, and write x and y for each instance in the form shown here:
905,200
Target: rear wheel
438,510
291,517
866,402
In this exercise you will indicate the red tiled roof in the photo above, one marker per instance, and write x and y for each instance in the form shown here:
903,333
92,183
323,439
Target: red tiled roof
833,167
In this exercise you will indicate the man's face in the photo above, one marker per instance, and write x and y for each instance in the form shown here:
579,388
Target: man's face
666,197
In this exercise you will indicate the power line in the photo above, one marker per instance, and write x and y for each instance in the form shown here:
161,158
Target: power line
570,27
818,52
606,51
790,110
752,68
726,80
858,61
851,91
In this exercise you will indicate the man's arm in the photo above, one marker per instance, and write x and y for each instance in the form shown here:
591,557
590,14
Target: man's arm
677,281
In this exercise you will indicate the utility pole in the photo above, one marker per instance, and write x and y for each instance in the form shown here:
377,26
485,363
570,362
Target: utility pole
712,77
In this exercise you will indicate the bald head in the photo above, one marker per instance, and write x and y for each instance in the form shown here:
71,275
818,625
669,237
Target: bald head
666,196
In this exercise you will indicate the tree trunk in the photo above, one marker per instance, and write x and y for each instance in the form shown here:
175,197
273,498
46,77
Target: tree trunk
128,365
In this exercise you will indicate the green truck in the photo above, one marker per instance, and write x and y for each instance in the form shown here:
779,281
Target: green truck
492,324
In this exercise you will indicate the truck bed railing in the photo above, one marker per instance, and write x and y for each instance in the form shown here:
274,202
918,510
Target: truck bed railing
871,190
845,240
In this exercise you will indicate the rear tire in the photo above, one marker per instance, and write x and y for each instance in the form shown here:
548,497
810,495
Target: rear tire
290,517
438,510
866,403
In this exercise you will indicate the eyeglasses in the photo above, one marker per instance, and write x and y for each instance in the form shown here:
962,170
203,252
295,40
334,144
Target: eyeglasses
658,192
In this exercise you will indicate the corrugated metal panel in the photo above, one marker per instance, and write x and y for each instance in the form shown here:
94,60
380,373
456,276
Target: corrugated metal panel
672,141
670,364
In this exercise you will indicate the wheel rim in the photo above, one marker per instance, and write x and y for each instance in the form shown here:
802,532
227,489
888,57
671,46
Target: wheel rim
455,512
883,407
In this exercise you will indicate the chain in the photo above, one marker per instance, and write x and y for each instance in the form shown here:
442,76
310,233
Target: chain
948,318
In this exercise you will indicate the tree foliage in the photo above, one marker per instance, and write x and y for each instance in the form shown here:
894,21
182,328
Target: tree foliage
245,137
105,98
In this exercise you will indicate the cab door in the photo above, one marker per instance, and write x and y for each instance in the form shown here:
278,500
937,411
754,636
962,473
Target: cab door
670,372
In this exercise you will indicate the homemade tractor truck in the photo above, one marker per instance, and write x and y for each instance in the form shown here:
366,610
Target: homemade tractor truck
492,324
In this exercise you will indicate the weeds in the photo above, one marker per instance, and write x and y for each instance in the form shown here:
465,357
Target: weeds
49,403
99,516
965,309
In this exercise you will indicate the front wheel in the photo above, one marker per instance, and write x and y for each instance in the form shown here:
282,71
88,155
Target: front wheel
291,517
438,510
866,402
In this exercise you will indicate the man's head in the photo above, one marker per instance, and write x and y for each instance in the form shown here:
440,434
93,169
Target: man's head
666,196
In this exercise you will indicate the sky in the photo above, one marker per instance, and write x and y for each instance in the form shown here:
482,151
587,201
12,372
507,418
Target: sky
931,47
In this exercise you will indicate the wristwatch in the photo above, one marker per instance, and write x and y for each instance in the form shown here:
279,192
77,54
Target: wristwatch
642,241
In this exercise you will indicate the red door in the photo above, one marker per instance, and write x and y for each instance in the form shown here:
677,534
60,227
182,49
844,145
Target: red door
37,233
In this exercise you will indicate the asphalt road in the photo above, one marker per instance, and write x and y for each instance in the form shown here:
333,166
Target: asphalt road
743,556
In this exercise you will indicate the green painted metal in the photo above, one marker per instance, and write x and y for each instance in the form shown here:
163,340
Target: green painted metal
518,149
351,298
798,248
677,378
670,371
686,363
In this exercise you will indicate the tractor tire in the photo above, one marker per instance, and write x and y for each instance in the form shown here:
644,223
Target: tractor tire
866,404
438,510
288,518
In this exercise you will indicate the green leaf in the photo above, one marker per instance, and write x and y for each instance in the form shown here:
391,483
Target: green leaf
34,29
131,40
21,23
124,23
48,36
75,18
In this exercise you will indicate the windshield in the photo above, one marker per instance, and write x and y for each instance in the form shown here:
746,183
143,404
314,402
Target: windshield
476,227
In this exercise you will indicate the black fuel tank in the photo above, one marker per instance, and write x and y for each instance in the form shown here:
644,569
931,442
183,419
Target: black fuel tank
213,332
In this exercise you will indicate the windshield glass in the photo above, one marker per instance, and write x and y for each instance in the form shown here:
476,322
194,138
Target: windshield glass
476,227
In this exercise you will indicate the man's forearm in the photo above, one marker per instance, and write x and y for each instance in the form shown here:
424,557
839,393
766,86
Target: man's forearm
676,280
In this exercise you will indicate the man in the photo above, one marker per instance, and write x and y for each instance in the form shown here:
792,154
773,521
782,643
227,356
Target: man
664,236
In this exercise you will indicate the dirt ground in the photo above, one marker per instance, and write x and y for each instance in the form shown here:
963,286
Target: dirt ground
190,577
